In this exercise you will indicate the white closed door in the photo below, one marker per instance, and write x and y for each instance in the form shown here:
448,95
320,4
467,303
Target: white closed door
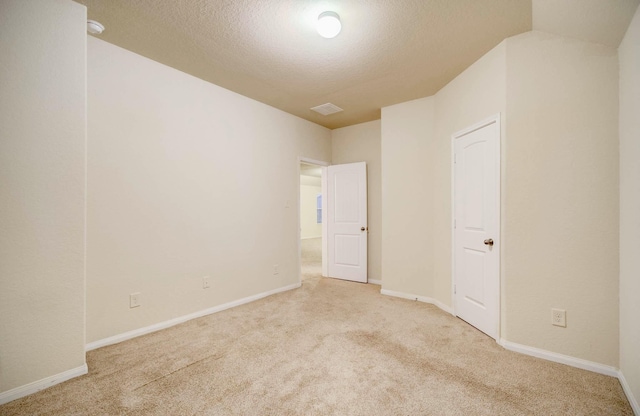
347,221
477,226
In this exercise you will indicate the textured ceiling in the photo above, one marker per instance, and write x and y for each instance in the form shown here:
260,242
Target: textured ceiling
600,21
389,51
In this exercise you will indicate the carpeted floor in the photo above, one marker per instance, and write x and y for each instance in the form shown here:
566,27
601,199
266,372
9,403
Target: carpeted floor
329,348
311,257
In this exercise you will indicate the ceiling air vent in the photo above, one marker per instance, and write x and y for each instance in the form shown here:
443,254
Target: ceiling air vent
326,109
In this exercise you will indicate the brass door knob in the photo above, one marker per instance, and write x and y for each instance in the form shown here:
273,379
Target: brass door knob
362,228
488,241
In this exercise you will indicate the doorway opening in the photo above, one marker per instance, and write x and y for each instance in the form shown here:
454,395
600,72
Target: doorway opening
333,228
312,223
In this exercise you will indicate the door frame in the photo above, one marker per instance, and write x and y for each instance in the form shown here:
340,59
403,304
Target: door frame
496,118
322,164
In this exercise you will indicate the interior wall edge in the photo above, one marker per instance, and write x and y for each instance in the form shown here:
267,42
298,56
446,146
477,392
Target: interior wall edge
577,363
419,298
633,401
179,320
45,383
560,358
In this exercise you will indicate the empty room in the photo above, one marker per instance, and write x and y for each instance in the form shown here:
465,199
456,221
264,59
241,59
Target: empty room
320,207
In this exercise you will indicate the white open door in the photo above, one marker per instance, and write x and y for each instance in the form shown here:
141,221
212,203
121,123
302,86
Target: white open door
346,207
476,248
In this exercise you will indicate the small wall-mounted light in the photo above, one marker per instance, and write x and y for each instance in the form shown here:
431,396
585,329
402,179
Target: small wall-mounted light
329,24
95,28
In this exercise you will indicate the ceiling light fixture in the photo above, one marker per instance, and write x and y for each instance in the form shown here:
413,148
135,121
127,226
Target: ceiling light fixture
329,24
95,28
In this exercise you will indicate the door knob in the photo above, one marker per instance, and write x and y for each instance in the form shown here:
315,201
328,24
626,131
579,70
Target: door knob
488,241
362,228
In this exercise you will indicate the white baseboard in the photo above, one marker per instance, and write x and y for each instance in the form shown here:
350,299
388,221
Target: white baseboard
375,282
627,390
537,352
560,358
166,324
418,298
578,363
36,386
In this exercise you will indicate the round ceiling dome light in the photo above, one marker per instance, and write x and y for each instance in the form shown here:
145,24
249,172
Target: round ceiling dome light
329,24
95,28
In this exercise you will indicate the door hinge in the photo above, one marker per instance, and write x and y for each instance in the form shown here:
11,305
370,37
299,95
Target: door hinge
455,157
454,289
454,223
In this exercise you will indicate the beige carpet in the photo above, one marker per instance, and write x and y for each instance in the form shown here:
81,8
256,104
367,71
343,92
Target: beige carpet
311,258
329,348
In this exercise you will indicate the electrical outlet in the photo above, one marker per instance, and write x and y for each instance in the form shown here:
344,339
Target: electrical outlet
275,269
559,317
134,300
206,282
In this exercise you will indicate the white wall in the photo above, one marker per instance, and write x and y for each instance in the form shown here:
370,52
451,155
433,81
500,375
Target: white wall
42,190
476,94
186,179
361,143
407,144
309,227
558,100
629,56
561,217
416,176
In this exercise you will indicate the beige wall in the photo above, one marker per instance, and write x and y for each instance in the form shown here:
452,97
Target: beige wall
42,191
407,197
309,227
473,96
416,156
361,143
629,55
561,196
558,101
186,179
